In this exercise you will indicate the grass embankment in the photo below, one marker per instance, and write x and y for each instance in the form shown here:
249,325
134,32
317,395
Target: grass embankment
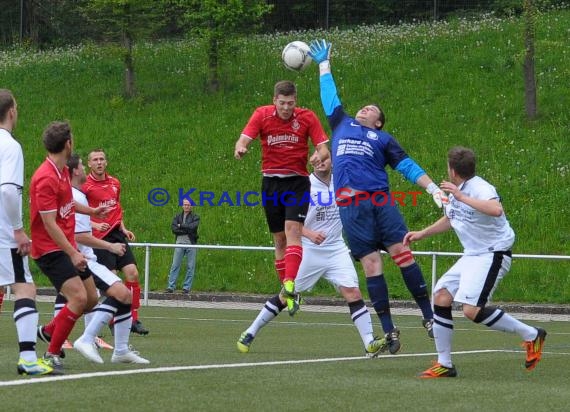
440,85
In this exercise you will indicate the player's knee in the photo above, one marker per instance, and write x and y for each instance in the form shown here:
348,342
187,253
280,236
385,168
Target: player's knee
442,298
351,294
403,259
121,293
477,314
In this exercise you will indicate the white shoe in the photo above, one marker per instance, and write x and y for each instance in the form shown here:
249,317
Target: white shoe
129,357
89,350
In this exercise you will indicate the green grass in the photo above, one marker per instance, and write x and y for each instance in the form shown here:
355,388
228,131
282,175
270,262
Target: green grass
217,377
440,84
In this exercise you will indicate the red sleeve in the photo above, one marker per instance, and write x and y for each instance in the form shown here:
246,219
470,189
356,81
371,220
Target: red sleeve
316,131
46,196
253,127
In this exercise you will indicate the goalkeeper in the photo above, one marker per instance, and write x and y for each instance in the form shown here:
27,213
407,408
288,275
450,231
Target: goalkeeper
361,151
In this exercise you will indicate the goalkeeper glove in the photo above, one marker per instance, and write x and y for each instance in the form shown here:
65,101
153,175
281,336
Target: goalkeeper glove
439,196
320,50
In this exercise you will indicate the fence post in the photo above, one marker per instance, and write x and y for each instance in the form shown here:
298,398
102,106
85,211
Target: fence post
433,274
146,272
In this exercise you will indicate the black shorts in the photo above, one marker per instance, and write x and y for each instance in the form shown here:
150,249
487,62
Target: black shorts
109,259
57,266
285,198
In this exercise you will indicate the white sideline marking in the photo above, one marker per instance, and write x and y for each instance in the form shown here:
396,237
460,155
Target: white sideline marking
48,379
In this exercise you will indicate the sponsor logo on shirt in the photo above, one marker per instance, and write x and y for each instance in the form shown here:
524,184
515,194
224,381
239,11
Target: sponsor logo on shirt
111,203
282,138
65,210
372,135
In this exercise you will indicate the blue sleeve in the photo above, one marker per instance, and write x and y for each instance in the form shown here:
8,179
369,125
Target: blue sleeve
329,96
410,170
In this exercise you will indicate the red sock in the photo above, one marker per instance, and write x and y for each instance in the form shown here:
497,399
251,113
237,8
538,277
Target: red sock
293,256
1,299
280,268
136,303
64,323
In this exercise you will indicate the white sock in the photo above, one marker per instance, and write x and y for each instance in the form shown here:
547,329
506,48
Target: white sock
506,323
363,323
266,315
99,318
443,336
88,317
26,320
122,329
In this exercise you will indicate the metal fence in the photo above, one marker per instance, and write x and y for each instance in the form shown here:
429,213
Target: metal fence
434,256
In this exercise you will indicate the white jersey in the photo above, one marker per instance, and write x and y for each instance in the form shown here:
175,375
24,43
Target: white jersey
323,214
11,173
331,259
83,224
479,233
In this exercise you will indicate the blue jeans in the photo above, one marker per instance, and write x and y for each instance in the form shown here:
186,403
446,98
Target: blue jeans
179,253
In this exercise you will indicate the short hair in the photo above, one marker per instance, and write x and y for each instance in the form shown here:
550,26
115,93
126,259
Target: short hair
96,150
55,136
73,163
462,160
381,116
285,88
7,101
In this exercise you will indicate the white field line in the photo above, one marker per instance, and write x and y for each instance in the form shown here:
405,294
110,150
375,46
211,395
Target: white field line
49,379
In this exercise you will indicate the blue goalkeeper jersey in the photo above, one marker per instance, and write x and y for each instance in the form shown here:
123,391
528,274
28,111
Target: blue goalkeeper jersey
360,154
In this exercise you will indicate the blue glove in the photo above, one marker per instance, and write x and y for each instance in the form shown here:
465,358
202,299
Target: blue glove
320,50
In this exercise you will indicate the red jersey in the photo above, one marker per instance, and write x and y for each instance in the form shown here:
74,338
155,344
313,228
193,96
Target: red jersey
285,143
50,191
106,192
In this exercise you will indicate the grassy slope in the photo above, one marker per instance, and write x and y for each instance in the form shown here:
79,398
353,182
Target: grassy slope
456,83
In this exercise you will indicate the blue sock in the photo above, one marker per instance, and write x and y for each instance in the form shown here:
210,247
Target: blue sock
417,286
378,292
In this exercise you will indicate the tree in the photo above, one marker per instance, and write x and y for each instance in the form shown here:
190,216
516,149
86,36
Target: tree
530,12
127,21
218,21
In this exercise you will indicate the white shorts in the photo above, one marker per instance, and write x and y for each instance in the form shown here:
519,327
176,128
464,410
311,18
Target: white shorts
473,279
331,262
102,276
13,268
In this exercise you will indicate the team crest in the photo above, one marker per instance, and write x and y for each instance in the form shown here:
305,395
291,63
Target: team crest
115,189
372,135
295,125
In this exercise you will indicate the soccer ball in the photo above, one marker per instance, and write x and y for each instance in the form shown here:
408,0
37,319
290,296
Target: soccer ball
295,56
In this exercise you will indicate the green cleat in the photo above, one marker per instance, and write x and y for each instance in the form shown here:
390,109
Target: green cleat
36,368
244,342
293,300
375,347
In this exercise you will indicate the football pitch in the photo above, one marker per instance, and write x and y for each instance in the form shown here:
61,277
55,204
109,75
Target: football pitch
312,362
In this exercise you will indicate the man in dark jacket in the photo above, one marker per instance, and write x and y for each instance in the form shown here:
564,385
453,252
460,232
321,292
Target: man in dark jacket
185,228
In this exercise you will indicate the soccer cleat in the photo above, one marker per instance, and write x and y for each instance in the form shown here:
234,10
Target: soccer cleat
292,299
375,347
39,367
534,349
393,341
55,362
88,350
46,337
438,371
428,324
169,290
244,342
101,344
138,328
129,357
